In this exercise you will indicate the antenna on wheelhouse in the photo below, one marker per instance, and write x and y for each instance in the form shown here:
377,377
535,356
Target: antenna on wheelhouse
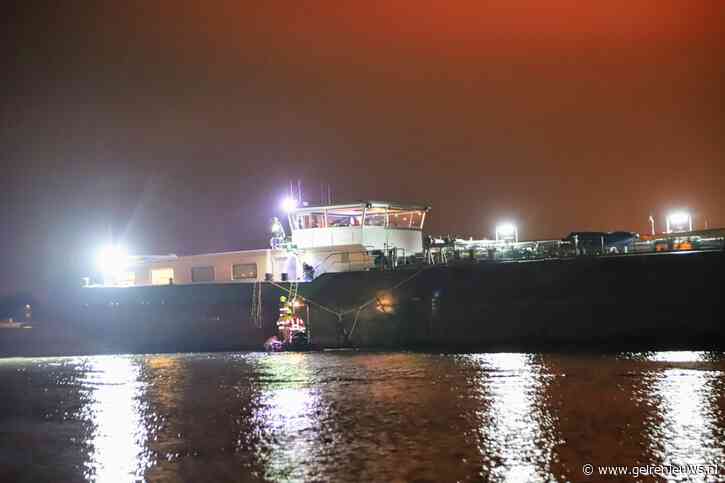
325,194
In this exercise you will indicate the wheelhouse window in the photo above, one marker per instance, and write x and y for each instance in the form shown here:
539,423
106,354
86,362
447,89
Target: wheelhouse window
375,217
358,216
416,219
244,271
339,219
405,219
345,216
202,274
330,218
303,221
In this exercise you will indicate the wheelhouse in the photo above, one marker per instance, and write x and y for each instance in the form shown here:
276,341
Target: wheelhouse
376,225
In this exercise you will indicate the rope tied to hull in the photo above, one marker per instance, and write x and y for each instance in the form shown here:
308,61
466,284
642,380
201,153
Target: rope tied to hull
256,308
357,309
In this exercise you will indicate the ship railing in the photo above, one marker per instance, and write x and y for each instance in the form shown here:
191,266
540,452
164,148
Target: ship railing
497,250
490,250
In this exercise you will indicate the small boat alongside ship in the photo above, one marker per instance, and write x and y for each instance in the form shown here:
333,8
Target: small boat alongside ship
365,275
10,324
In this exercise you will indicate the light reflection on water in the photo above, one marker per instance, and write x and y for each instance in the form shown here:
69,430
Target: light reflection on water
688,431
687,421
288,413
518,436
677,356
354,417
116,410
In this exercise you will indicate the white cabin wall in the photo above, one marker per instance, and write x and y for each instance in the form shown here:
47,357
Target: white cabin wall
326,237
342,258
372,237
222,263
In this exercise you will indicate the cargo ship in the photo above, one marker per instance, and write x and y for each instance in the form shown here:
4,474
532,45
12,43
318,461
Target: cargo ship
364,275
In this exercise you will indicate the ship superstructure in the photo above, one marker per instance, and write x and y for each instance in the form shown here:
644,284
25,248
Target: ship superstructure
323,239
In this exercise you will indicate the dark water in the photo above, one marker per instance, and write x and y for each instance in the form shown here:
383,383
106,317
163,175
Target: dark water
341,416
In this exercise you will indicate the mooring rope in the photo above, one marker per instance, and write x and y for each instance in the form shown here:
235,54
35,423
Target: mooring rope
359,308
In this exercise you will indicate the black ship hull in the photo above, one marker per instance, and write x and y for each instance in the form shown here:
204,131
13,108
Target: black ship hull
638,302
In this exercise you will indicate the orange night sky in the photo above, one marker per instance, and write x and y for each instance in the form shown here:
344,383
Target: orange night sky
177,125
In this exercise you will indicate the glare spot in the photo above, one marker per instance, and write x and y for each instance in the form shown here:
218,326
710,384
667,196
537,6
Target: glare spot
119,438
687,432
677,356
514,427
287,416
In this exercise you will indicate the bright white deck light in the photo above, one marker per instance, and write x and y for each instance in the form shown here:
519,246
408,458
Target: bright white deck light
679,221
288,204
112,259
507,232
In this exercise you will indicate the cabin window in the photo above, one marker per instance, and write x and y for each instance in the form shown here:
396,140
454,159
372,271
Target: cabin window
162,276
405,219
345,217
304,221
416,220
398,220
339,220
242,271
375,217
202,274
